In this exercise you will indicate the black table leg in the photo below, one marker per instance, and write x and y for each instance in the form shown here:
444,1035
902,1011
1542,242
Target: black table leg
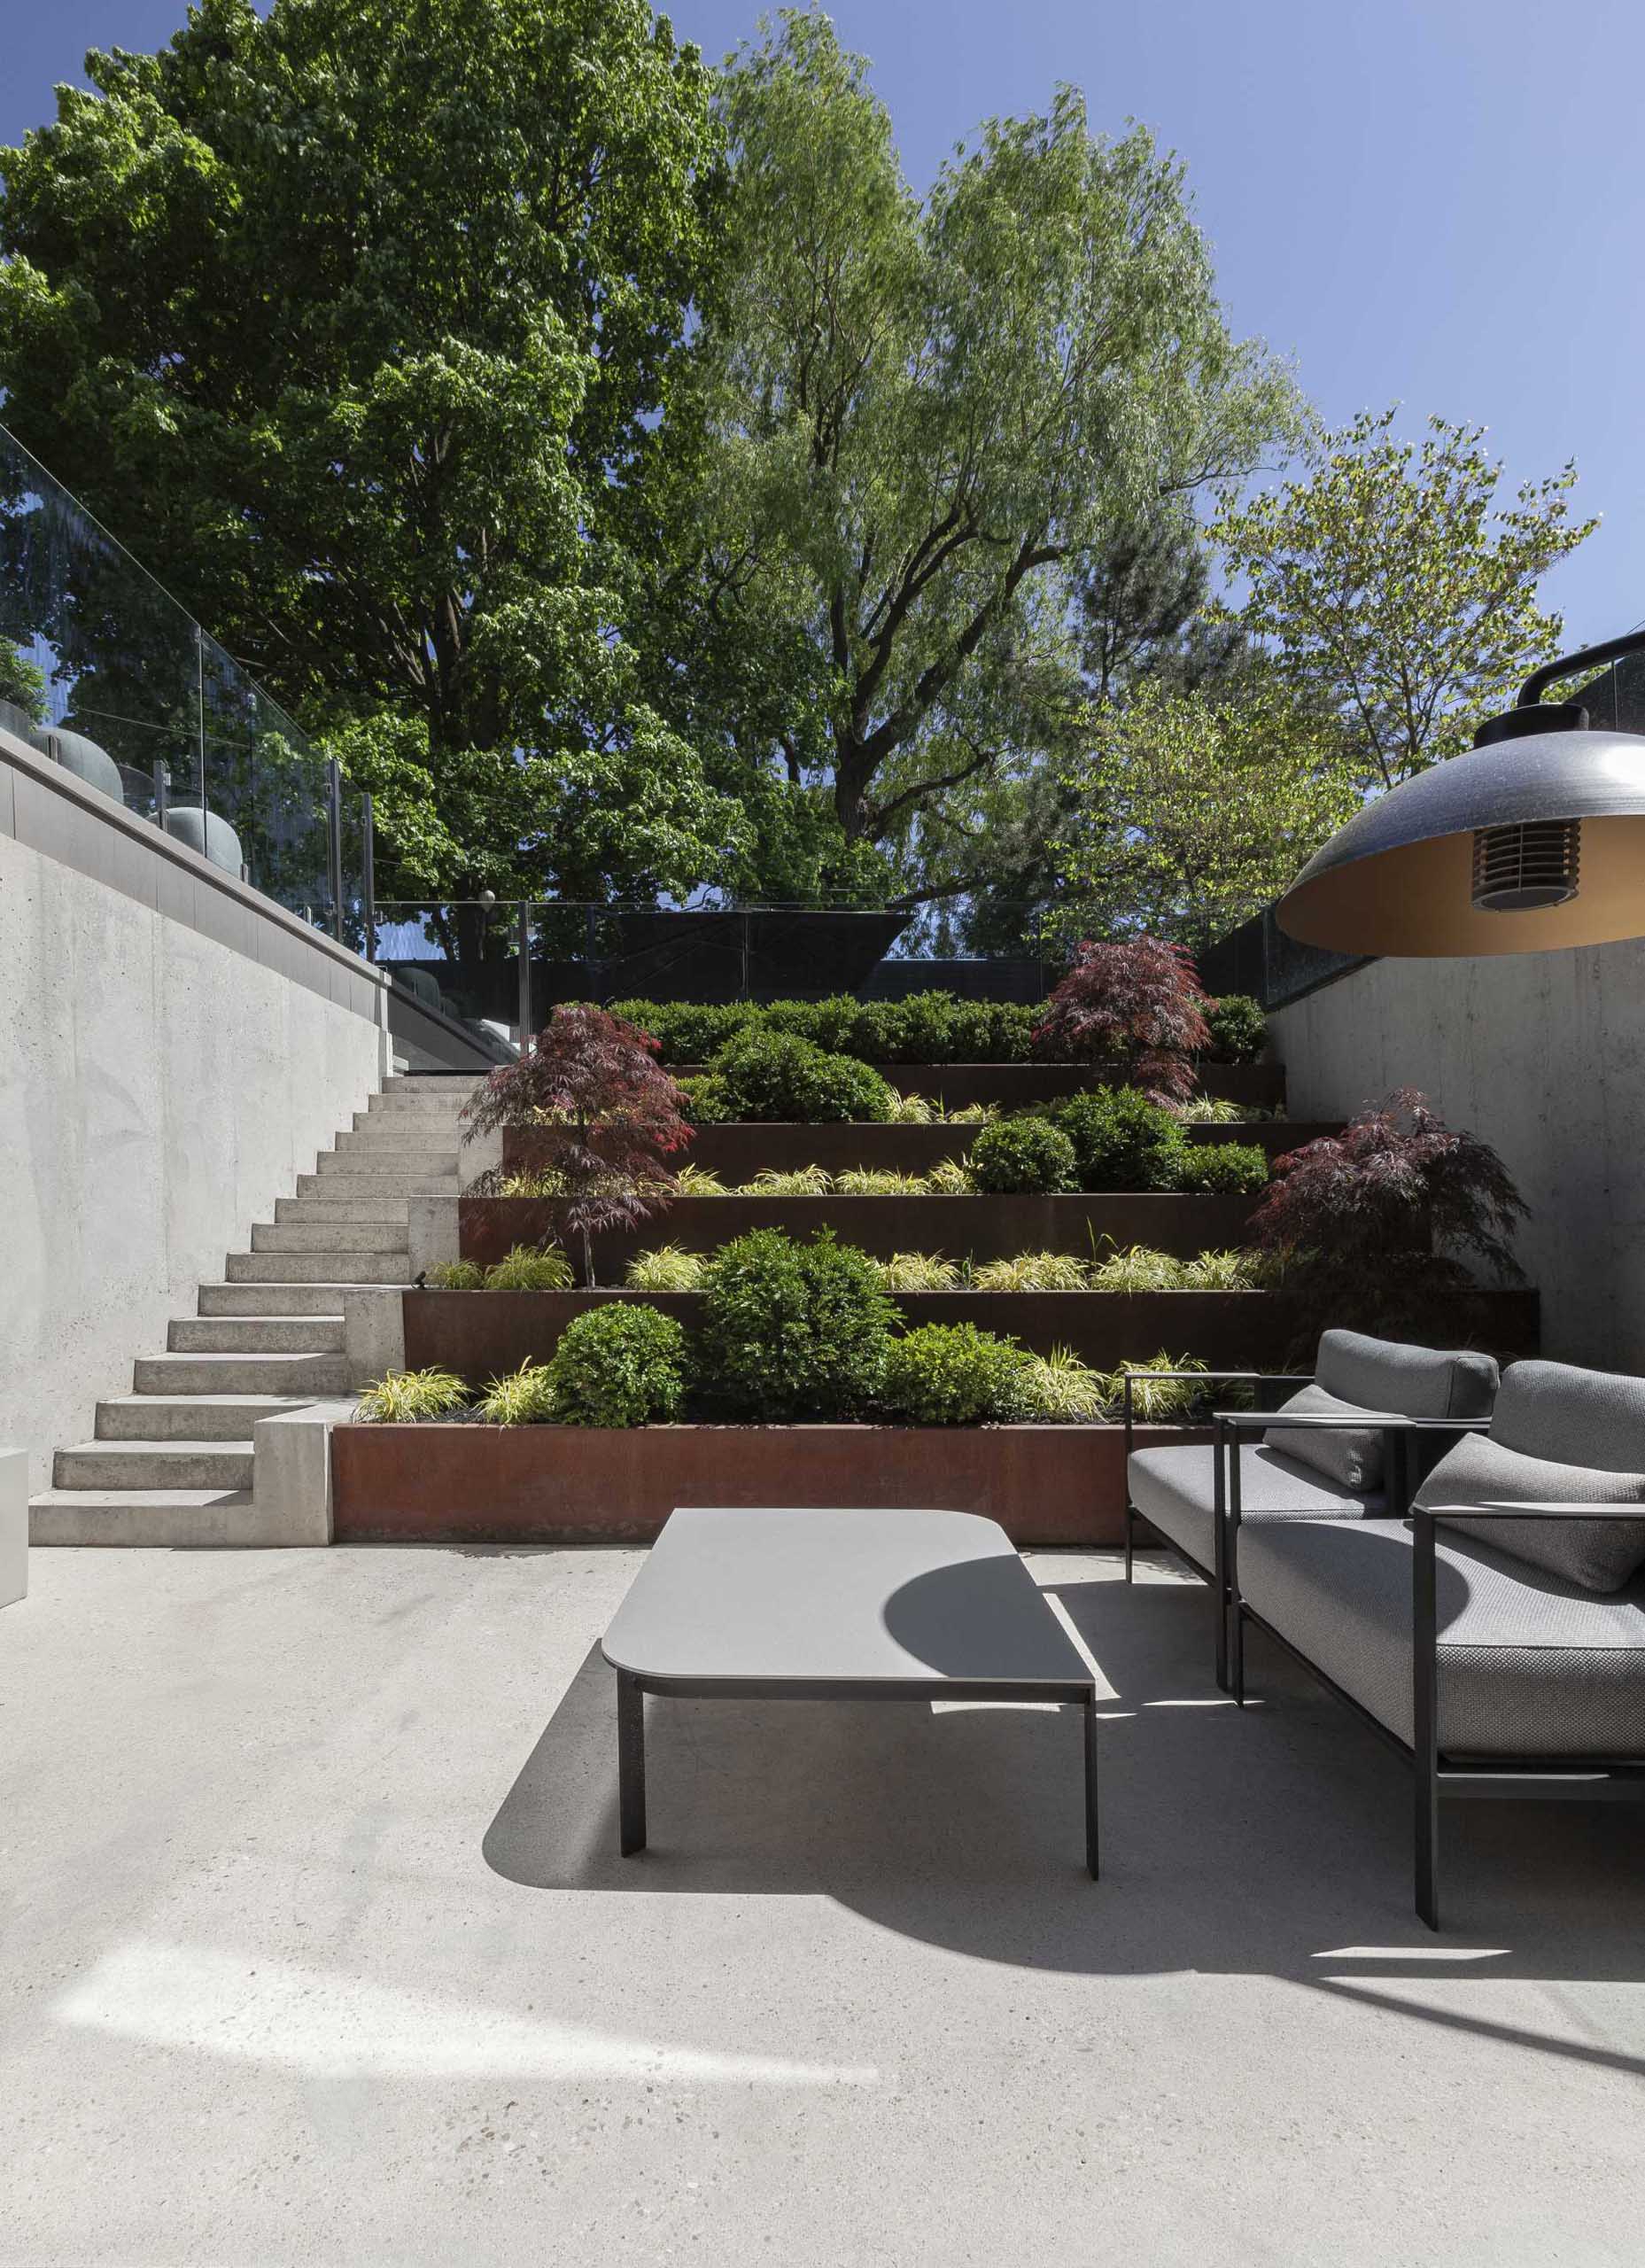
630,1763
1090,1714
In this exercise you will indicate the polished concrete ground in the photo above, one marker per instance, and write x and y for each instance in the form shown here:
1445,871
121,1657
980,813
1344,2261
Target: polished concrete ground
316,1949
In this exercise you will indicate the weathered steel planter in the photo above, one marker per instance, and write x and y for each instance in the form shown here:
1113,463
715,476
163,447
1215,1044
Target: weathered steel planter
551,1484
737,1151
480,1335
980,1228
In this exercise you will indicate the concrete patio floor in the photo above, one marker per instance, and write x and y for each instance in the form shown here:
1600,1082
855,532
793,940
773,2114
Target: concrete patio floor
316,1949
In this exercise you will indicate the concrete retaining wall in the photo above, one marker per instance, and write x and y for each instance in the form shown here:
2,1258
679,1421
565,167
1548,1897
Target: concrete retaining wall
1543,1055
173,1052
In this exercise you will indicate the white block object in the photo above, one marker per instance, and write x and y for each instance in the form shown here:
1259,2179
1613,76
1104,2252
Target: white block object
13,1525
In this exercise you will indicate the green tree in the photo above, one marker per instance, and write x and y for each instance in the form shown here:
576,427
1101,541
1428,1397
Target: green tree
1191,811
1399,587
22,683
361,324
934,413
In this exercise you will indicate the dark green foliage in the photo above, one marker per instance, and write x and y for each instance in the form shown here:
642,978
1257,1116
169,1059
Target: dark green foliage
953,1374
702,1101
926,1028
1223,1169
1238,1026
619,1365
775,1076
1022,1157
687,1031
1122,1140
792,1331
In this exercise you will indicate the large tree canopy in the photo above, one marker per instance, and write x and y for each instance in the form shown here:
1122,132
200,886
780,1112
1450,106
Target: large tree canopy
1399,587
359,323
932,414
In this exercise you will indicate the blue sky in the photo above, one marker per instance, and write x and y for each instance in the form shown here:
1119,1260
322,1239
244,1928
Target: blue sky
1430,201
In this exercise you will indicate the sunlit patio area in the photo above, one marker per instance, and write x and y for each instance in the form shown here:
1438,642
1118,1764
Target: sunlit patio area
318,1936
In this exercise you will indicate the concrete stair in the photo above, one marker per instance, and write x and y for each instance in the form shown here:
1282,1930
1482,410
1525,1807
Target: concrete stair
172,1462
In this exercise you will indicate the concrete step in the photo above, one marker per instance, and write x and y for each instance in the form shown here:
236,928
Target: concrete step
189,1416
395,1187
273,1299
340,1209
328,1236
419,1164
255,1334
384,1140
154,1465
384,1110
318,1268
311,1375
168,1518
439,1088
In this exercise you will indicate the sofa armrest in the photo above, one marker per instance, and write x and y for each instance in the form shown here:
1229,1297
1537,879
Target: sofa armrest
1428,1513
1331,1421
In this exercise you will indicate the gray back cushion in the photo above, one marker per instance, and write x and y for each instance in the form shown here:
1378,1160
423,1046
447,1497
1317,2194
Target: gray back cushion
1357,1372
1351,1458
1415,1381
1563,1436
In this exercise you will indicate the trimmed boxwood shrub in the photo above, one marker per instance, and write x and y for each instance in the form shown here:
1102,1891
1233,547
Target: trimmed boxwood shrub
926,1027
792,1331
619,1365
776,1077
688,1031
1122,1140
1224,1169
953,1374
1022,1157
1238,1026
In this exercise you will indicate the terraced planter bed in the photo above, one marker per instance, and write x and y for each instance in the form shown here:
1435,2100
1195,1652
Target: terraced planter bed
978,1228
737,1152
481,1335
1011,1085
1046,1485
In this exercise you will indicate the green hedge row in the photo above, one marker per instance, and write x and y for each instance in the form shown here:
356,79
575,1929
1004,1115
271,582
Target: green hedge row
926,1027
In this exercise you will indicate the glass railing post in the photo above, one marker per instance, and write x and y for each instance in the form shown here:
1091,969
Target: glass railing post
334,823
524,949
162,795
368,875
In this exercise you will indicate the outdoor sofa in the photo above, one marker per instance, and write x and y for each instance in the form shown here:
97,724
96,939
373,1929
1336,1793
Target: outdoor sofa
1357,1433
1497,1638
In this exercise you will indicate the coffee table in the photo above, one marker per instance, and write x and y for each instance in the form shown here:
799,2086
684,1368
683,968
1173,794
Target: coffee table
788,1604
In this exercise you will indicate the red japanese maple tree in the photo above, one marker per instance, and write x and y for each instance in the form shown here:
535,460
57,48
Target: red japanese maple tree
1138,995
604,1117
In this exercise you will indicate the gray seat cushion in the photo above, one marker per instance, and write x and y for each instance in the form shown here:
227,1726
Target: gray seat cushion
1176,1489
1354,1371
1528,1666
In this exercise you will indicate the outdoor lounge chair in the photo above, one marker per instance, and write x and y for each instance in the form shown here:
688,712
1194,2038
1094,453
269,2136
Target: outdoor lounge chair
1497,1638
1351,1446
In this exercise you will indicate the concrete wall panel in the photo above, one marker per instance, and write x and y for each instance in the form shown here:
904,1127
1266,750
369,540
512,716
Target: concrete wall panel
159,1090
1543,1055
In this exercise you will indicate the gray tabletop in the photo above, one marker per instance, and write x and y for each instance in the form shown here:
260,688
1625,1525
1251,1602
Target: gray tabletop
773,1594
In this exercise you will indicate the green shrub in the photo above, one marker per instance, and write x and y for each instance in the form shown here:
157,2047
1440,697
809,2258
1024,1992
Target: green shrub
953,1374
1022,1157
790,1331
702,1100
879,1181
1122,1140
1238,1026
1224,1169
840,1023
665,1267
457,1275
687,1031
1220,1271
526,1269
403,1397
777,1077
619,1365
1153,1397
794,1181
524,1397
